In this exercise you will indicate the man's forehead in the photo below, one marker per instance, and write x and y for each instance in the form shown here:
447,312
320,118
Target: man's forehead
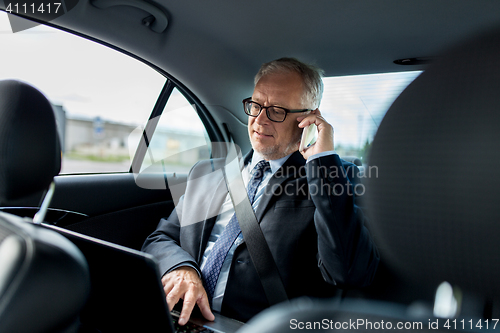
279,89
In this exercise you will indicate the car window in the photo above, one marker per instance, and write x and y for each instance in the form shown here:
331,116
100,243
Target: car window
355,106
99,95
179,140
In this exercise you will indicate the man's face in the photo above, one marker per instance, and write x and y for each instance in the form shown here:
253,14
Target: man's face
276,140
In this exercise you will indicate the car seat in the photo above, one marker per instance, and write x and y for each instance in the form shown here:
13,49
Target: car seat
44,279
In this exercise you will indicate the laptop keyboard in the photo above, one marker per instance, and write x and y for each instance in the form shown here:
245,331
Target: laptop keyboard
189,327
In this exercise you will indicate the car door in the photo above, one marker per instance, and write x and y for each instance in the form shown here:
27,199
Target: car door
128,132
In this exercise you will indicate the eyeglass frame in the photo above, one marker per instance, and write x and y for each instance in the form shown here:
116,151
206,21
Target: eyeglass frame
287,111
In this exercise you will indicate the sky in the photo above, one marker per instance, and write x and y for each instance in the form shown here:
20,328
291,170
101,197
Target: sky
354,105
129,95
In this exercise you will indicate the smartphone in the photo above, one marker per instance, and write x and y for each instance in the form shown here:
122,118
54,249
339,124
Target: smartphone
309,137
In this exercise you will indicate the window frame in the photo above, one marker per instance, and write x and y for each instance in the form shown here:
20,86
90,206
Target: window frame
205,117
214,132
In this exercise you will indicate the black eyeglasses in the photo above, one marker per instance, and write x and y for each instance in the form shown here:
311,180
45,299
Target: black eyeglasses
274,113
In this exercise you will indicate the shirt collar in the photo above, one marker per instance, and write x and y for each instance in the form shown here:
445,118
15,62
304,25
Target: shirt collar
274,164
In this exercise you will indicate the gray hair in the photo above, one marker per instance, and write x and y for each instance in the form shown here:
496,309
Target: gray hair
311,76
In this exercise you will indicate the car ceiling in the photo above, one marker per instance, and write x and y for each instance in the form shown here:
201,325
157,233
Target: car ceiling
215,47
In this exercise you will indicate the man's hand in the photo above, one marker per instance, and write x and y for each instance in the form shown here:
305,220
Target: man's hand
185,283
325,133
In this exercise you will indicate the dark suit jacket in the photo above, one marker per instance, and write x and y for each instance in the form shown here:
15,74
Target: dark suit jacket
308,215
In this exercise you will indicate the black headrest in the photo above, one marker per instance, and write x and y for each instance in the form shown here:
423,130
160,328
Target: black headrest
30,154
436,198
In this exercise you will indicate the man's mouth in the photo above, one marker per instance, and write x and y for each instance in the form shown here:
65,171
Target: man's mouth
263,135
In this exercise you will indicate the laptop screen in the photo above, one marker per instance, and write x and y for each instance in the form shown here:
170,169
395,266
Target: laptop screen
126,291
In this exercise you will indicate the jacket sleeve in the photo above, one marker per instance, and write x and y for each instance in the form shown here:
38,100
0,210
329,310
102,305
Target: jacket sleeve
347,255
164,243
176,240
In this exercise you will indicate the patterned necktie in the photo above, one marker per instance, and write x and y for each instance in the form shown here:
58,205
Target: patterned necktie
216,258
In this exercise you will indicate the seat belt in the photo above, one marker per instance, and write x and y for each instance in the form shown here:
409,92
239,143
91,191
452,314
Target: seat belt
254,238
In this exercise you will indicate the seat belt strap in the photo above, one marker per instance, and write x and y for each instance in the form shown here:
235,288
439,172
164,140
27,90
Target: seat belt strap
258,248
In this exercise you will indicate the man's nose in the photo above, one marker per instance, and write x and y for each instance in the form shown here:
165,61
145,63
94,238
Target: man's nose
262,117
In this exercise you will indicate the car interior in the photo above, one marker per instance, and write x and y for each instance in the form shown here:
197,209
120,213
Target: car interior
176,91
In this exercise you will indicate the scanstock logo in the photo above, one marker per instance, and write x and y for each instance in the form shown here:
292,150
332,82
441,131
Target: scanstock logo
41,10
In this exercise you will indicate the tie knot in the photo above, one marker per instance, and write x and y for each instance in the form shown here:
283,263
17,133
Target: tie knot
260,169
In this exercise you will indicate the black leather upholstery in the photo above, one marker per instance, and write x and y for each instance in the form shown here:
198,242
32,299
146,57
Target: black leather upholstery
308,315
29,147
435,203
44,278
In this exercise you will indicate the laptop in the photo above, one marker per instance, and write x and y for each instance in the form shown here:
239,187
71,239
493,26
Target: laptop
126,292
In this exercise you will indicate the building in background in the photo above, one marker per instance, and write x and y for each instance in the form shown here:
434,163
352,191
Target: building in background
108,143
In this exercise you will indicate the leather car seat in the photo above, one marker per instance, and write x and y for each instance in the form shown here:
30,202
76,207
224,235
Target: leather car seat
44,278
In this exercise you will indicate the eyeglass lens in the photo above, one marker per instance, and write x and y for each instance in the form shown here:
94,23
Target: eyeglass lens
273,113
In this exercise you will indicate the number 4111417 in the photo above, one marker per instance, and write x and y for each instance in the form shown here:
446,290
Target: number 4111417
26,8
472,324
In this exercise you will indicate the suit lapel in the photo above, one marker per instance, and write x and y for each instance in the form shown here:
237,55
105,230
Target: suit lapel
290,169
